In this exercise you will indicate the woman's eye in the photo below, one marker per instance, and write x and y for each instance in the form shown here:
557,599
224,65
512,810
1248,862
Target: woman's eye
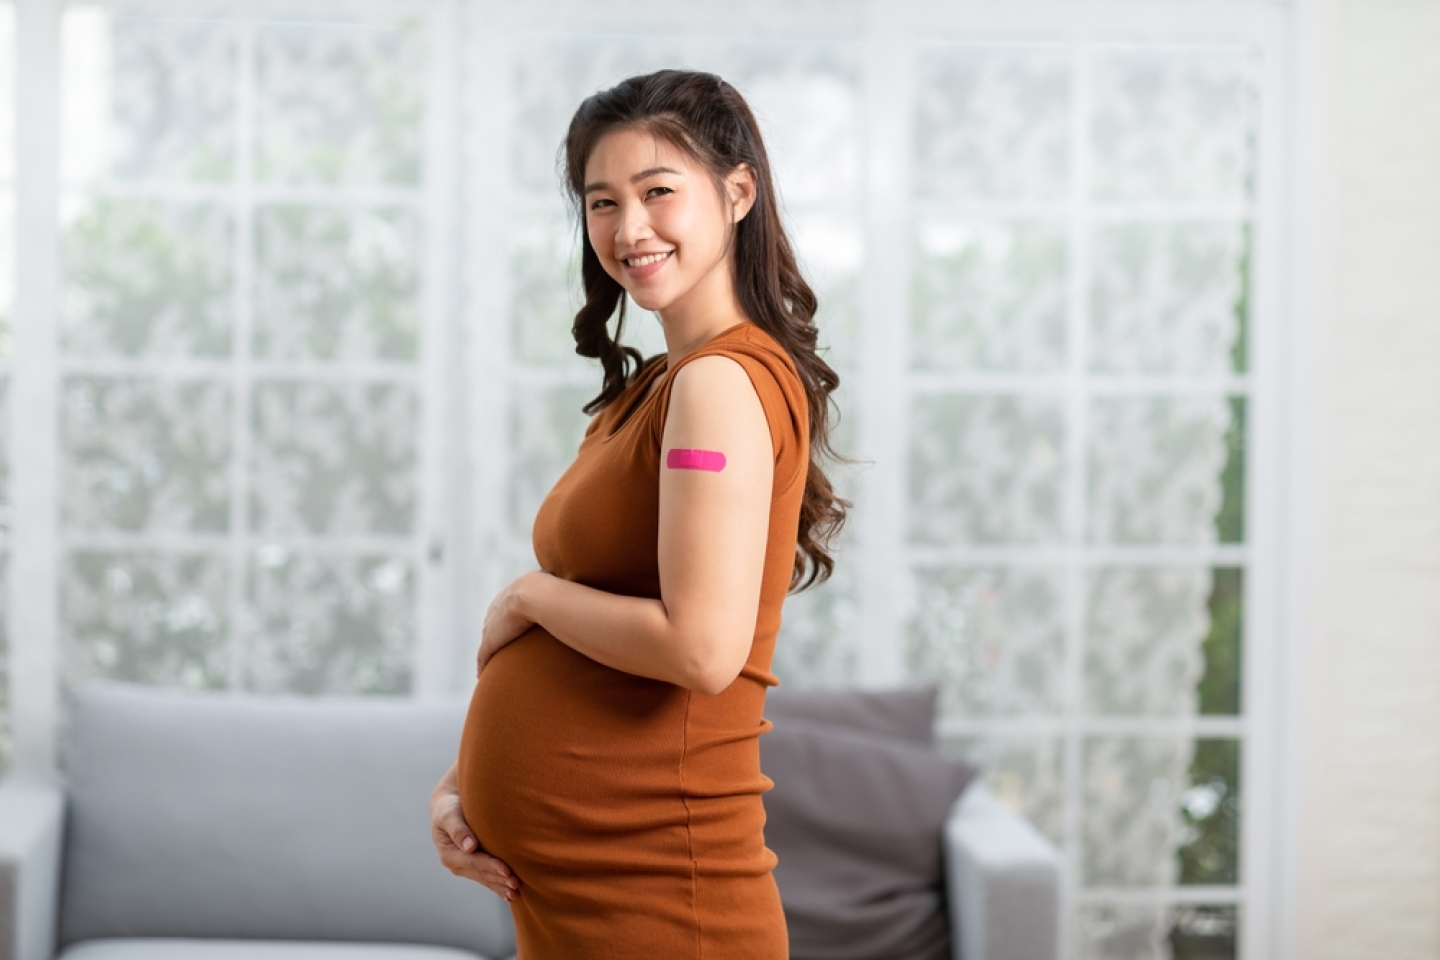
659,191
596,205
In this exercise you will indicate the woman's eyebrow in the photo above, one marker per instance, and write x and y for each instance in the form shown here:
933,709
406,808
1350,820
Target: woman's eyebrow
592,187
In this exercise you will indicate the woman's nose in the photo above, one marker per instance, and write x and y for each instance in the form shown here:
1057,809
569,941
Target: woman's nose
633,226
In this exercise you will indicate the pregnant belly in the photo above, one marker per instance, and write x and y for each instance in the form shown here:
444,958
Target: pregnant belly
568,764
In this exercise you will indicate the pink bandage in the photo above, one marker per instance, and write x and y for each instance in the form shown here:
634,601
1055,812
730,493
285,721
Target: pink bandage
712,460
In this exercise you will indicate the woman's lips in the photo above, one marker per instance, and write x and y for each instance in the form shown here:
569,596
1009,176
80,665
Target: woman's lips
649,264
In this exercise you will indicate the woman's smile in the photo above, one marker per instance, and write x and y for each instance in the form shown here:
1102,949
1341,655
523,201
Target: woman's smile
645,265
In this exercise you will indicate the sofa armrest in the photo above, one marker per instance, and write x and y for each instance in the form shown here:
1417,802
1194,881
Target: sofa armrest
1003,882
32,816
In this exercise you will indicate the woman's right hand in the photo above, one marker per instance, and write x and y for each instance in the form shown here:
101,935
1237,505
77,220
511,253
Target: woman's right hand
459,850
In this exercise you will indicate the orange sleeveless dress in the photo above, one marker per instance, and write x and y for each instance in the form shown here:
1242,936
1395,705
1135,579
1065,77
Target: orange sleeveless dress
630,808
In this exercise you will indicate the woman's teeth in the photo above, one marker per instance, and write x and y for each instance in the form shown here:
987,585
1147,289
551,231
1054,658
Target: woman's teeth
648,259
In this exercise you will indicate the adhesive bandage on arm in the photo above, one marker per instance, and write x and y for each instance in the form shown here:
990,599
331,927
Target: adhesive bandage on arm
680,459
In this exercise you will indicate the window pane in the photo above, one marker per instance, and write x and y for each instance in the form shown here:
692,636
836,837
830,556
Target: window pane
339,104
145,455
1157,467
985,469
4,643
1210,810
992,123
7,271
146,618
992,638
1131,821
5,516
337,459
545,289
989,296
1158,811
831,252
1144,632
146,278
546,427
1168,298
1148,931
330,624
147,98
1173,124
817,643
1220,687
337,284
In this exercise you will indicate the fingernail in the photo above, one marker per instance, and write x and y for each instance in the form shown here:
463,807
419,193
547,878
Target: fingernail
468,844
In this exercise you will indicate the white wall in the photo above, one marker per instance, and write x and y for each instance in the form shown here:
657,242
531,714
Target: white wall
1369,832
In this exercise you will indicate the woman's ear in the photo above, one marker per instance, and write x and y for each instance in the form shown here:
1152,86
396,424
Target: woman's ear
740,188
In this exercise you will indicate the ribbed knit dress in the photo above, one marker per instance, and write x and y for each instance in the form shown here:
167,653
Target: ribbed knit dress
630,808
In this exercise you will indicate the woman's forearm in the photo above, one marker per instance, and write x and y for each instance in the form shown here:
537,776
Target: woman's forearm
632,634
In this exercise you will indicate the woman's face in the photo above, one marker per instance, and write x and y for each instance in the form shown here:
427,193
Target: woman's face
656,221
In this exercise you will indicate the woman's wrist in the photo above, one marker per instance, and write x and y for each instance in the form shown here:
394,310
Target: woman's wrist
523,600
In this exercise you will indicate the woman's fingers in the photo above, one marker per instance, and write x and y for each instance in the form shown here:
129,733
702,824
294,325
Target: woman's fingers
451,821
460,852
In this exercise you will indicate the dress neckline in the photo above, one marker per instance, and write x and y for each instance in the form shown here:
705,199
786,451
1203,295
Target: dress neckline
647,377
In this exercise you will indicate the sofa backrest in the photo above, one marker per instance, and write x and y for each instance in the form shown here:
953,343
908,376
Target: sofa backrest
216,815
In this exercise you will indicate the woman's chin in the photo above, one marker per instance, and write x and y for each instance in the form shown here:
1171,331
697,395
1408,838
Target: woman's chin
650,301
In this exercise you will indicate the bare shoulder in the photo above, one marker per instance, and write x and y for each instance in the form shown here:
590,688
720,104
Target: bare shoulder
713,377
715,392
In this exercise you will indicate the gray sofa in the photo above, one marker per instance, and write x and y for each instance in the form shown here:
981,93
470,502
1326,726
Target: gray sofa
212,827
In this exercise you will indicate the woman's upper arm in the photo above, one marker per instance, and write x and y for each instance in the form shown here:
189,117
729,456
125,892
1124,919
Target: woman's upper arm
714,515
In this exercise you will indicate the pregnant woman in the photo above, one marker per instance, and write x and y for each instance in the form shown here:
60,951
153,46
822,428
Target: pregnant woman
608,783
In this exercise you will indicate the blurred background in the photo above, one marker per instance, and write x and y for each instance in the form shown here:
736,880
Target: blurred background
285,370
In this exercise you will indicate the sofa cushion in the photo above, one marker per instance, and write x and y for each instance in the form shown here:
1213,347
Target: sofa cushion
856,820
230,816
177,949
905,712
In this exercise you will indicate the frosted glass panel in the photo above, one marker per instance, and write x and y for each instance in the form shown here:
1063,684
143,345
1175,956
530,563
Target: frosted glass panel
546,427
830,247
148,98
1131,824
808,101
7,91
545,289
147,278
5,512
1155,932
337,284
552,76
339,104
4,641
328,624
1155,468
992,638
334,459
985,469
817,643
1143,639
992,123
1167,298
989,296
1173,124
7,271
145,455
146,617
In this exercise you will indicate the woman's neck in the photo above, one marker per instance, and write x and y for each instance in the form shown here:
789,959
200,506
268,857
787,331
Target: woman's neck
693,321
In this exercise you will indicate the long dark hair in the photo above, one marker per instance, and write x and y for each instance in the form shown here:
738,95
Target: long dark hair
708,119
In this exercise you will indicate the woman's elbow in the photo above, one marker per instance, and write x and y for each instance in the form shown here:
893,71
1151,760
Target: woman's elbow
713,672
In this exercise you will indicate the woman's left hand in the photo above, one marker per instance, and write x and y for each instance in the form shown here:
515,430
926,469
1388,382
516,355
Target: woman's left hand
504,620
